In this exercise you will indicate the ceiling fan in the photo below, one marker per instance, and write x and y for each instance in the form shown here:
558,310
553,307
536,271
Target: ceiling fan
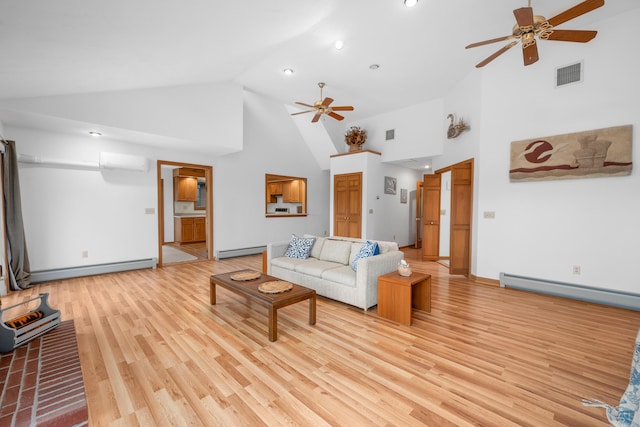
530,26
323,107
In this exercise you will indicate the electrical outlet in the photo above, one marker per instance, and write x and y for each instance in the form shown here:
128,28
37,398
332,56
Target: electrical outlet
85,254
149,211
576,269
489,214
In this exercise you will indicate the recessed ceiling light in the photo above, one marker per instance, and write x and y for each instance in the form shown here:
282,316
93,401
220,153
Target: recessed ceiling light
374,66
339,44
410,3
93,133
427,166
287,71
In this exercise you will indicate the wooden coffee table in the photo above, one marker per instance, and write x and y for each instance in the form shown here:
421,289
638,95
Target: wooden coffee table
273,302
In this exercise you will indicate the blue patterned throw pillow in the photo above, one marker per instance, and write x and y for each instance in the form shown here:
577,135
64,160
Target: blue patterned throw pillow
367,250
299,247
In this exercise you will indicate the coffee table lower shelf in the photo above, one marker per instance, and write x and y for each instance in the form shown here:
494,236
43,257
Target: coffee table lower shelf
273,302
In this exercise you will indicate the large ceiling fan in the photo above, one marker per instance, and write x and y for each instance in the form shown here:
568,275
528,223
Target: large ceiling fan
530,26
323,107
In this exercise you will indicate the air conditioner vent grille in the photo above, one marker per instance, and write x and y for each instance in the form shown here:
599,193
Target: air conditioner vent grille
569,74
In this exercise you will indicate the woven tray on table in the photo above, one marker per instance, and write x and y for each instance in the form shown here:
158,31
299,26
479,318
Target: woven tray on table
245,275
275,287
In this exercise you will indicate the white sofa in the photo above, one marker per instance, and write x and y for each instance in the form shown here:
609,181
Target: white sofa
328,269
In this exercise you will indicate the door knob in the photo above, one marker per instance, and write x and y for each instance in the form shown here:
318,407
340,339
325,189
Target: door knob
431,222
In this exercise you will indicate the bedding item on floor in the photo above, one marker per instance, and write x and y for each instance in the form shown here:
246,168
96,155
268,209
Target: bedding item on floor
627,413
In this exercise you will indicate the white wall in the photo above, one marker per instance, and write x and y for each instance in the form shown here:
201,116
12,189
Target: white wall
69,211
272,145
543,229
418,131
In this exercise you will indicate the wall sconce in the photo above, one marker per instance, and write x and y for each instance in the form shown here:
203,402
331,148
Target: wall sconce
456,129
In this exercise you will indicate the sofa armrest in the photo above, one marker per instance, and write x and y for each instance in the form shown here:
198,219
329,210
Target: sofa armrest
275,250
369,269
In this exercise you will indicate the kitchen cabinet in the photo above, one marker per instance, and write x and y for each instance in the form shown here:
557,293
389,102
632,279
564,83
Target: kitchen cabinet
291,192
189,229
185,189
274,189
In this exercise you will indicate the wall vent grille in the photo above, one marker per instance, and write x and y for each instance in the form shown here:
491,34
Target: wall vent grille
569,74
391,133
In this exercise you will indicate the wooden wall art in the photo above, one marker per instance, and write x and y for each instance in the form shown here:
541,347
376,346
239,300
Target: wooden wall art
595,153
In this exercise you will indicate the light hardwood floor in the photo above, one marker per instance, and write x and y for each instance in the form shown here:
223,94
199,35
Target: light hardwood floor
154,352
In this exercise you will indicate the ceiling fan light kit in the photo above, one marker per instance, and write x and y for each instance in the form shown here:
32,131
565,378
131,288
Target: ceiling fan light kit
529,27
323,106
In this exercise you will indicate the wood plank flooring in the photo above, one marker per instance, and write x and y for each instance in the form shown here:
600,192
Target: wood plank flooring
154,352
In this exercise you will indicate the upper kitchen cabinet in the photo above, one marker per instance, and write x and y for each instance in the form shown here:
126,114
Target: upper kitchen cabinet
185,184
292,191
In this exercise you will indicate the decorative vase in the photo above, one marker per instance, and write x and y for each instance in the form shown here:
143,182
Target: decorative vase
404,269
355,138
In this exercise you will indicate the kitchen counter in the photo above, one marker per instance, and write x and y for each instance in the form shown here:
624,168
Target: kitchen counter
279,214
189,215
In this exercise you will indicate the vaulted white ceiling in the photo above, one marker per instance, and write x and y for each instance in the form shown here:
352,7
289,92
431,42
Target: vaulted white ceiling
79,46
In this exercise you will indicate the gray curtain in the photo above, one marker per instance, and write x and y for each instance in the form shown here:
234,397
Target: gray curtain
19,269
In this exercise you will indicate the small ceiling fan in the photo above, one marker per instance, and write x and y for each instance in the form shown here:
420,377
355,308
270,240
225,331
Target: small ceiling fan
323,107
530,26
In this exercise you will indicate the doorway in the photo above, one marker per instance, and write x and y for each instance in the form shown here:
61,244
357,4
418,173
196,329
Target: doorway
185,212
458,235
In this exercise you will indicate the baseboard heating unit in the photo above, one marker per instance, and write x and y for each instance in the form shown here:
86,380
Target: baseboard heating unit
232,253
91,270
569,290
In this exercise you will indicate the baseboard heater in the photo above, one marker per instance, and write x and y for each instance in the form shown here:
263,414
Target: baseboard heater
91,270
232,253
569,290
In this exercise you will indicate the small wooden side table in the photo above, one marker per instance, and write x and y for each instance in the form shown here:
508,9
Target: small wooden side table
398,294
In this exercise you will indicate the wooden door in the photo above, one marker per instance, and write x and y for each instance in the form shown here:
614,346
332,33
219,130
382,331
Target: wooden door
431,217
347,205
461,211
418,240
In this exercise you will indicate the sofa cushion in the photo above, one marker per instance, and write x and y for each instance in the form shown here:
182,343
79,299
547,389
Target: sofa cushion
315,267
336,251
317,247
387,247
299,247
368,249
343,275
287,263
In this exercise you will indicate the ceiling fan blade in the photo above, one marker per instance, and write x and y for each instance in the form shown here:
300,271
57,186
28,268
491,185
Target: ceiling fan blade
302,112
316,117
498,53
575,11
306,105
326,102
498,39
530,53
579,36
524,16
342,108
334,115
